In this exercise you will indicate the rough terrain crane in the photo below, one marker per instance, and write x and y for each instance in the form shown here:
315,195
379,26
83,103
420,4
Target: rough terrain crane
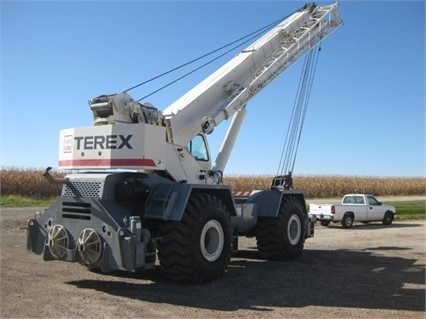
144,184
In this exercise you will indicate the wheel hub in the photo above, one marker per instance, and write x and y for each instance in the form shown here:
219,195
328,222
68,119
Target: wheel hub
212,240
294,229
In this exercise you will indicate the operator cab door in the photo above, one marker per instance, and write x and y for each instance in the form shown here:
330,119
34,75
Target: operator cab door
199,149
375,211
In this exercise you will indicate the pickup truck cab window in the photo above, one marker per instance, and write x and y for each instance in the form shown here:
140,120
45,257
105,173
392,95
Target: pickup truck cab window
373,201
353,200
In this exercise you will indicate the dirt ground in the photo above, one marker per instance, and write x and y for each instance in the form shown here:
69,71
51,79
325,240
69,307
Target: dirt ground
369,271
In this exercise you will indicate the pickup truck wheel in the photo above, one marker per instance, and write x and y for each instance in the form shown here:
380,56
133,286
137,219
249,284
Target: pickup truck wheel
196,249
347,221
388,218
325,223
282,238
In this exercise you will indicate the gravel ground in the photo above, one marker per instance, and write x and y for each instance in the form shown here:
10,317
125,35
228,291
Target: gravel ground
369,271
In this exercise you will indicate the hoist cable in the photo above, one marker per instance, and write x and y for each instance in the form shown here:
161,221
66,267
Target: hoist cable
297,118
285,153
196,69
305,107
300,105
301,110
255,33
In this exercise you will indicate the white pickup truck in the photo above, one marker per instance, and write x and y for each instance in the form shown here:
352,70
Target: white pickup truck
354,207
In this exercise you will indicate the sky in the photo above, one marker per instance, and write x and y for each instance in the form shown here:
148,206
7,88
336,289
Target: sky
366,115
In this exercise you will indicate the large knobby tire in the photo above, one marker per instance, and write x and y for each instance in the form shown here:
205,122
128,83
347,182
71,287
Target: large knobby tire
388,218
196,249
283,237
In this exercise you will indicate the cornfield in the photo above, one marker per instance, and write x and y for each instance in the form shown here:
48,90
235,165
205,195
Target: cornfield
31,183
322,186
28,183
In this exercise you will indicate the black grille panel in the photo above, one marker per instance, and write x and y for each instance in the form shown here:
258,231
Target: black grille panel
82,189
75,210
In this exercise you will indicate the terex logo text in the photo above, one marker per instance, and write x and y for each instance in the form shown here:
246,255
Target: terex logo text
103,142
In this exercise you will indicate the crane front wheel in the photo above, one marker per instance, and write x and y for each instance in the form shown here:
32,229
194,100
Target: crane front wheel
197,249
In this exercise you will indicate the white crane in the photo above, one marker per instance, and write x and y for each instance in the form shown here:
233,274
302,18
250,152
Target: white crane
172,200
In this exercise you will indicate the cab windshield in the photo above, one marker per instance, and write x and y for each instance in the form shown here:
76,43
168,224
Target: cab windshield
197,147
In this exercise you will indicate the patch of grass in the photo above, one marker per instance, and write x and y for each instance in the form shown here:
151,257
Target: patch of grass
410,217
405,208
22,201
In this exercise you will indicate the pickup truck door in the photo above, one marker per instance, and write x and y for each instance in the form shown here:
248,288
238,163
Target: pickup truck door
375,210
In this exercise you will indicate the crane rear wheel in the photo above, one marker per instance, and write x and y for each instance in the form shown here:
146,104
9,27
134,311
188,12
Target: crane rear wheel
282,237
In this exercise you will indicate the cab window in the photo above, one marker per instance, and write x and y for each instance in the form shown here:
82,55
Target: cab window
372,201
359,199
197,147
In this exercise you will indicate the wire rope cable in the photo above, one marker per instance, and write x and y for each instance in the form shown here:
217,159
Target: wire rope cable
194,70
297,118
247,38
